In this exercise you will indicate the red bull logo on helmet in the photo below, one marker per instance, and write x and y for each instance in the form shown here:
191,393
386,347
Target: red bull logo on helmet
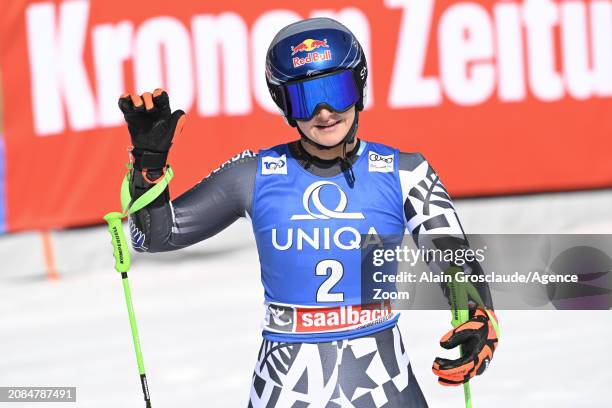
310,45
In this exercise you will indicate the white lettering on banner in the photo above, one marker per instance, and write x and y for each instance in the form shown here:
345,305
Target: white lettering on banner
540,16
467,74
601,26
57,70
408,85
582,81
576,55
466,48
507,50
112,46
510,60
164,41
228,34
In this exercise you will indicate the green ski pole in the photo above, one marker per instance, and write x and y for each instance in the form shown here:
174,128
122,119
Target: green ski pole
459,309
122,265
459,295
122,256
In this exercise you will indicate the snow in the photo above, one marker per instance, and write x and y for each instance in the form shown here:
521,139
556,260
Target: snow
199,311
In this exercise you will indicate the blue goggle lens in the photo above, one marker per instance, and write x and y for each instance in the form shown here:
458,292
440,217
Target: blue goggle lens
338,91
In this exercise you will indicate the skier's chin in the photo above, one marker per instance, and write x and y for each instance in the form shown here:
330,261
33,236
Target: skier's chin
328,128
329,137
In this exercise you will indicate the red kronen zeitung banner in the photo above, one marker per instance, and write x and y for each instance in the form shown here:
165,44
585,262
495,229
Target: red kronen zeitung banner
501,96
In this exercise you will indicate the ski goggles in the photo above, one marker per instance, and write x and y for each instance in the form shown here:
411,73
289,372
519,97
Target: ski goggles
336,91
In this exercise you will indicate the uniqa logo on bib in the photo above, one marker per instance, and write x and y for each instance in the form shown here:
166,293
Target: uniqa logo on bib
312,194
345,238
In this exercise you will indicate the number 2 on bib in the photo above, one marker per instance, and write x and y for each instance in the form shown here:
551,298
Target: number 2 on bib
334,270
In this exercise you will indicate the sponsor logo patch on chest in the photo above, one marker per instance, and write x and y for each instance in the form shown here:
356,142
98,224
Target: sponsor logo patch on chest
380,163
274,165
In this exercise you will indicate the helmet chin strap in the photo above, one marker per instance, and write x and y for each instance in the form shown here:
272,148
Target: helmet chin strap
348,138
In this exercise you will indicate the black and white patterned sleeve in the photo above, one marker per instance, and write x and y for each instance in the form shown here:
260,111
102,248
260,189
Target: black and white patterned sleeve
201,212
430,216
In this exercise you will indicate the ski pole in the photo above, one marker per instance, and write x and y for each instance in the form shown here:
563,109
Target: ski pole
122,265
122,255
459,294
459,310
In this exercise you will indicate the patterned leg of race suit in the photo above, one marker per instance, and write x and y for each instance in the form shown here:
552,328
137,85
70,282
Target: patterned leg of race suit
368,372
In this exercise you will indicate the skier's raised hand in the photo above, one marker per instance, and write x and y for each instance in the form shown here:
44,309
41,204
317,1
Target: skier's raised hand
478,339
152,127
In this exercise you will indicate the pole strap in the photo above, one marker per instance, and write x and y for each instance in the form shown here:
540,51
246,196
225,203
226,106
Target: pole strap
114,219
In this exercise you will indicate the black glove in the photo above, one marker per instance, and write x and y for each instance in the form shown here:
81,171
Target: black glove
152,127
479,340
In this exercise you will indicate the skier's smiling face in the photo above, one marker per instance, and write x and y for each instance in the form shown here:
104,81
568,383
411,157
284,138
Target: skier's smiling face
328,128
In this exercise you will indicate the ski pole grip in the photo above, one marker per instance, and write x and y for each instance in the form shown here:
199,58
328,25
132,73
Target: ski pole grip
120,248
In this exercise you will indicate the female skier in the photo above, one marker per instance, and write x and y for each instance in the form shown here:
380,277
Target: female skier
309,201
